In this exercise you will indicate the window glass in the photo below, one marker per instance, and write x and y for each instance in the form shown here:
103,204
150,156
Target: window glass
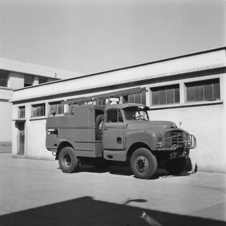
165,95
131,98
170,96
177,95
28,80
56,107
135,113
38,110
216,88
112,116
155,97
190,93
207,90
162,97
143,98
3,78
139,98
199,92
120,119
43,80
21,112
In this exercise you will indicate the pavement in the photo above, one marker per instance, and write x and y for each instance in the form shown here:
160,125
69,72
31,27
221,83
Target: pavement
36,192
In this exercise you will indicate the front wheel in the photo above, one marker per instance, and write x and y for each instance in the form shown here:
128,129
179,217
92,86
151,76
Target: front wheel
143,163
68,160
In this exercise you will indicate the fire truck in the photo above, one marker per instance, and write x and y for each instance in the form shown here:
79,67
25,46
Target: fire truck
103,134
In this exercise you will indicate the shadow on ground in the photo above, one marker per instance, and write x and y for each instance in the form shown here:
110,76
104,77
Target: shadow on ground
125,170
90,212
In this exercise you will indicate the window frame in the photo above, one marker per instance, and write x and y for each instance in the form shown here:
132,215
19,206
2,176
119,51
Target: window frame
56,103
21,113
199,90
3,79
161,93
40,77
38,105
133,97
29,84
119,112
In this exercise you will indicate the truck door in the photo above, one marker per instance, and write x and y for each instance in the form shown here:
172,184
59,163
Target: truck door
113,133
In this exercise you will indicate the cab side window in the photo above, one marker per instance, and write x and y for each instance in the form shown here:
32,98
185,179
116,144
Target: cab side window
114,116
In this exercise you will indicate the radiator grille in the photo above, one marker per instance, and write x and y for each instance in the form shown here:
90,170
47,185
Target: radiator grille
174,139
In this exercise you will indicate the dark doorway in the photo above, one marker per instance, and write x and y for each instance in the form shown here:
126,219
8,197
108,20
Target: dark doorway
21,137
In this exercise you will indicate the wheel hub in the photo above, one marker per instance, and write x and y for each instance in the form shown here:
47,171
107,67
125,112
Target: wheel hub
141,164
67,160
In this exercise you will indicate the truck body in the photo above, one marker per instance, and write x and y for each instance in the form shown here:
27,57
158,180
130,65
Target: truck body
122,132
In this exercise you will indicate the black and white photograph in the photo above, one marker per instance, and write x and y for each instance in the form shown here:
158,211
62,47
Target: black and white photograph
112,112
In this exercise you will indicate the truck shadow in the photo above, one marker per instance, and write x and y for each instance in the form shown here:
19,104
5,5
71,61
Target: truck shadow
125,170
87,211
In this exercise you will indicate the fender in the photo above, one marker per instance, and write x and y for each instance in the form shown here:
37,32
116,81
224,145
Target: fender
146,137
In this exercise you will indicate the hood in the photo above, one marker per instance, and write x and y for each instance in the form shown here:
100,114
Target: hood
139,124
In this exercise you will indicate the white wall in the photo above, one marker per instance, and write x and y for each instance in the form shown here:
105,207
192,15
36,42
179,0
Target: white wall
16,80
207,124
35,145
27,68
5,122
5,118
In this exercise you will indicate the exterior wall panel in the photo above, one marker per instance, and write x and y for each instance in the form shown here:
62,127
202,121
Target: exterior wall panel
16,80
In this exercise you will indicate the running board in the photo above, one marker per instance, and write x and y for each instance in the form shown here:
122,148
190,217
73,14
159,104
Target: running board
115,155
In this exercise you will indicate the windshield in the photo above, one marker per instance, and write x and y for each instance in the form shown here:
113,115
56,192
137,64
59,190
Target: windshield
135,113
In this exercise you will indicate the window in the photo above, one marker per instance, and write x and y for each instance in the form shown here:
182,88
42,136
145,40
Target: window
43,80
114,116
56,107
139,98
4,78
136,113
38,110
165,95
207,90
101,101
28,80
21,112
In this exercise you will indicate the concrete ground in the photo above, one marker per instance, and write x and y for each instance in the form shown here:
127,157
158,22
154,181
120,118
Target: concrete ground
36,192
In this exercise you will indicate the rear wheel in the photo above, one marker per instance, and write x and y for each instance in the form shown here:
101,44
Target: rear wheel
175,166
143,163
68,160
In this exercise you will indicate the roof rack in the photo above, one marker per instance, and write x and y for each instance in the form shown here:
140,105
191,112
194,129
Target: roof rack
105,95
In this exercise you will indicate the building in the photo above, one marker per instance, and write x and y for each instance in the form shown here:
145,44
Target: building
16,75
188,90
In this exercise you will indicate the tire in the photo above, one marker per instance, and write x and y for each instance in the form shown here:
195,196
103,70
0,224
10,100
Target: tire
175,166
68,160
97,127
188,165
101,163
143,163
